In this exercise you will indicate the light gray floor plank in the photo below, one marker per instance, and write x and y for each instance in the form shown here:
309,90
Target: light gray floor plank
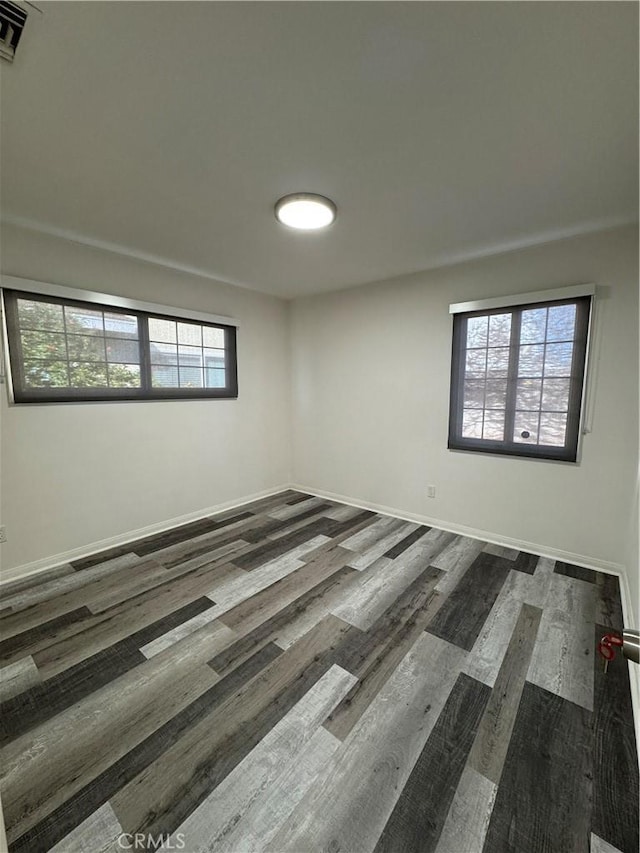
562,659
286,512
455,559
99,833
235,591
487,654
341,512
376,758
269,813
466,825
210,826
17,677
377,550
362,540
598,845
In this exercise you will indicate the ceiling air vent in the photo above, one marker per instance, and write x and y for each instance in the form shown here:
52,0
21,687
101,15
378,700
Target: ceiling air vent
12,21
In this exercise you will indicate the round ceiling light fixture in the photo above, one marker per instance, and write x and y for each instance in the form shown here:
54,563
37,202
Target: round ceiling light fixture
305,211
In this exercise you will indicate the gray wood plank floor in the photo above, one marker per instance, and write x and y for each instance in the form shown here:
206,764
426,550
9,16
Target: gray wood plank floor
298,675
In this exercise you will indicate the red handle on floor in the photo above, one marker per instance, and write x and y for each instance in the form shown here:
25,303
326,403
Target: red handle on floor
607,644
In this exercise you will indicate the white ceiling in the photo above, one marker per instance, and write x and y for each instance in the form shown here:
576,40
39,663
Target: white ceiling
441,131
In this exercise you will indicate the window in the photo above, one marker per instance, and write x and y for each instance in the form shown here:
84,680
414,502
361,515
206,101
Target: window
67,350
517,377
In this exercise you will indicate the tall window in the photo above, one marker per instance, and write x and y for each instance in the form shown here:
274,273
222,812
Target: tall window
517,378
63,350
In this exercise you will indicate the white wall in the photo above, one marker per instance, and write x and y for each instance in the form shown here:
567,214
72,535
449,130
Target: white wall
73,474
371,394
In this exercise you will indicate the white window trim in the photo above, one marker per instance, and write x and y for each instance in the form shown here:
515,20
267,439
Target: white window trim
523,298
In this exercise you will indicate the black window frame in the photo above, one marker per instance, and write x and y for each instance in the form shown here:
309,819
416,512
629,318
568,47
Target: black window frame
569,451
25,395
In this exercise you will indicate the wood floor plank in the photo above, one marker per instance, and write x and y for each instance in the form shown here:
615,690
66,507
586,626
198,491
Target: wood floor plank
20,584
421,811
273,549
401,546
16,678
364,539
494,732
375,551
609,603
465,611
578,572
99,833
378,587
598,845
465,828
20,643
486,656
455,560
501,551
211,824
81,805
616,788
289,511
562,660
374,762
161,797
544,798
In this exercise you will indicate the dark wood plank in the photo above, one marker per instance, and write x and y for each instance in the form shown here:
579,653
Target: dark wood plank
616,793
463,614
420,813
525,562
26,639
300,496
81,805
609,604
578,572
405,543
544,798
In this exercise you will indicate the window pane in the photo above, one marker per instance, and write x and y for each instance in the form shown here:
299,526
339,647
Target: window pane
474,394
124,375
555,395
39,315
477,331
525,428
190,377
476,363
493,428
215,378
88,374
123,351
214,358
162,330
48,345
496,394
532,329
553,429
558,360
46,374
499,330
528,394
83,321
82,347
163,353
121,325
213,337
190,356
164,376
498,362
561,324
190,333
531,358
472,423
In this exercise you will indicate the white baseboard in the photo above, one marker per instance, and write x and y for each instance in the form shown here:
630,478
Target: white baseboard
473,533
46,563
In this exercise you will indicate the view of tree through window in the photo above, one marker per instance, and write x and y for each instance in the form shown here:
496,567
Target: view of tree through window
517,378
68,350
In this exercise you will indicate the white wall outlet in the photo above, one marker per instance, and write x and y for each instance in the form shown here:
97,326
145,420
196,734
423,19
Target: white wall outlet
431,491
3,533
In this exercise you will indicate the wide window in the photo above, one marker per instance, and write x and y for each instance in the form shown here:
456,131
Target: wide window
67,350
517,378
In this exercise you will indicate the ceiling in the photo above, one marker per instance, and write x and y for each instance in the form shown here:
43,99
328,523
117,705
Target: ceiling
441,130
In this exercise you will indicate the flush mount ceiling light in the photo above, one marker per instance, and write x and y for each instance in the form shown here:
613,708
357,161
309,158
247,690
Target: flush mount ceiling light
305,211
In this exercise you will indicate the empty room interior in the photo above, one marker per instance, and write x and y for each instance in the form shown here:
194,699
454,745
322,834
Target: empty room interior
319,427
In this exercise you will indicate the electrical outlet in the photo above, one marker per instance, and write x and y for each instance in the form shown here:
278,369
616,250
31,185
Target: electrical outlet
3,533
431,491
